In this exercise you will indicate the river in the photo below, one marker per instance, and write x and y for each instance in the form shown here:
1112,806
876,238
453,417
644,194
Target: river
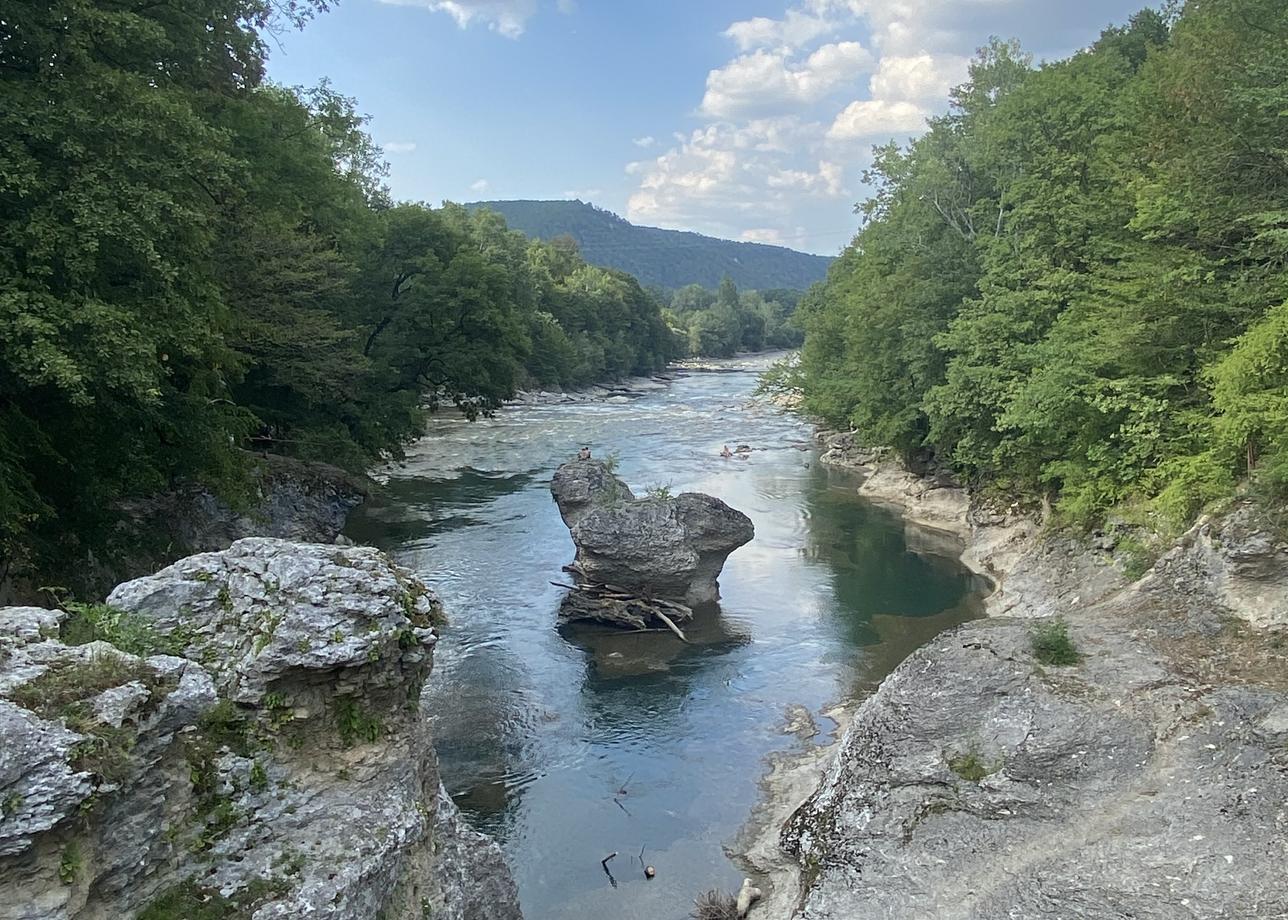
570,744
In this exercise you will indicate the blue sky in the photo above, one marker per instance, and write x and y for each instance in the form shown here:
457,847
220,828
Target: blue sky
747,120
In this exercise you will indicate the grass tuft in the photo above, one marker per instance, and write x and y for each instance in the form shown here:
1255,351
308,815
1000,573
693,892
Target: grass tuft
715,905
1052,645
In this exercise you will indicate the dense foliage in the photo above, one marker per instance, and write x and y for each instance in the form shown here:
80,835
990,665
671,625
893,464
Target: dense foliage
722,322
194,262
667,259
1074,284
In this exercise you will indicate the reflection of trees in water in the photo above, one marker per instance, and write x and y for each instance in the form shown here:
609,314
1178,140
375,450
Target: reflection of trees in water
406,510
874,570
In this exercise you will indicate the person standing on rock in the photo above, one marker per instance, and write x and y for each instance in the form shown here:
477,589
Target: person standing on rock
583,454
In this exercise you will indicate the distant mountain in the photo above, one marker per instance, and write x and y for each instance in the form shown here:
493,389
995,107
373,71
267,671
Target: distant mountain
666,258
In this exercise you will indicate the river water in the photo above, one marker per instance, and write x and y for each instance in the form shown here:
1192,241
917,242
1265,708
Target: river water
570,744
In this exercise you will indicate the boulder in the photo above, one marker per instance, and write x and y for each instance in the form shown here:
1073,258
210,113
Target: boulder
280,768
658,546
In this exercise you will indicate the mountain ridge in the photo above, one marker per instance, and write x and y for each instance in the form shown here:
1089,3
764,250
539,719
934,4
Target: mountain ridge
657,256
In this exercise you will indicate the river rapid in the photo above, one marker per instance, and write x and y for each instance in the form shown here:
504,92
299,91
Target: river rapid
570,744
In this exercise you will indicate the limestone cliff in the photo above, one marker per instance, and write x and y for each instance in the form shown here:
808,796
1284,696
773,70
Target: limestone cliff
1142,775
275,763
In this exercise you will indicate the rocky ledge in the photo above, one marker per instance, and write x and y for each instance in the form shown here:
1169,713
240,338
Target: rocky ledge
659,547
1099,748
249,745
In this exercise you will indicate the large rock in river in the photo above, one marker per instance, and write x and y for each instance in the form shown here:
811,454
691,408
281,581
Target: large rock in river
659,545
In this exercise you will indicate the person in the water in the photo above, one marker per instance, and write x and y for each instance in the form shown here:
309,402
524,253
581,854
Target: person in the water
726,452
583,454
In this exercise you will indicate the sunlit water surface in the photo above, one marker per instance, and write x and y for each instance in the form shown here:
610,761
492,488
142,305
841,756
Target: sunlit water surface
539,730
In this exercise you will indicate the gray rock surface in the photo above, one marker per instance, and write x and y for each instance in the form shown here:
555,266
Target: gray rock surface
1149,781
1236,562
671,547
293,500
282,768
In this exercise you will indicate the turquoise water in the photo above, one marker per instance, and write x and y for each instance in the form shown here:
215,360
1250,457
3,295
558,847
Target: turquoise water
569,744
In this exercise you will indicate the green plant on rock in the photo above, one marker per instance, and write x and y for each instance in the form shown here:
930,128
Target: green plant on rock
130,632
258,777
354,724
659,493
66,690
12,802
1135,557
193,901
1052,645
70,863
970,765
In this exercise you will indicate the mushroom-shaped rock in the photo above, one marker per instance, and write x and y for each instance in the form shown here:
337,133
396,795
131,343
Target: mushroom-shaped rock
659,546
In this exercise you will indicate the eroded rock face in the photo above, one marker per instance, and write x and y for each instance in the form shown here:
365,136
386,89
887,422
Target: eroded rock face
980,784
281,768
670,547
1236,562
293,500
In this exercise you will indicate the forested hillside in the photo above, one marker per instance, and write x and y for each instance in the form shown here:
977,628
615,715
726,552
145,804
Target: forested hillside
195,262
662,258
1075,284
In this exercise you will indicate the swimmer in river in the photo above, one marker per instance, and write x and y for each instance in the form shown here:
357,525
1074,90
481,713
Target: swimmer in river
726,452
583,454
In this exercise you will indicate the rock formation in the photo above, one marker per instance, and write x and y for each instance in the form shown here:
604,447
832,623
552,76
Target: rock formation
1147,779
659,546
262,756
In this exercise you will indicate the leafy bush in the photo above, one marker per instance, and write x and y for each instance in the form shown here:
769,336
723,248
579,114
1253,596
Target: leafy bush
1052,645
130,632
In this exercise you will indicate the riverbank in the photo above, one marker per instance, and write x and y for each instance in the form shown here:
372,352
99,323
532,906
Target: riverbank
980,779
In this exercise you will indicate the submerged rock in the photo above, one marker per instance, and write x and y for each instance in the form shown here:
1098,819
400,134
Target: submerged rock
656,546
281,768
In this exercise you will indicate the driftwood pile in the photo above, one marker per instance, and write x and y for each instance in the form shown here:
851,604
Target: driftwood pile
614,605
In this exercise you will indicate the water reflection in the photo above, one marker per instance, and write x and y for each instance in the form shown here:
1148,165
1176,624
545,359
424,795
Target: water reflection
571,743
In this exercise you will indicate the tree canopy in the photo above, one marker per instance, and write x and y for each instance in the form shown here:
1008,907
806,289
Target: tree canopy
194,262
1074,283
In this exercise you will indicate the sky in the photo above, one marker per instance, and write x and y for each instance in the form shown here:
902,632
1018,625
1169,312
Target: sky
742,119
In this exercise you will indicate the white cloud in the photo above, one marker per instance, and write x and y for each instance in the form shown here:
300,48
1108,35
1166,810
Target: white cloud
921,77
799,96
877,118
762,235
398,147
768,81
584,194
480,185
723,176
647,141
796,28
508,17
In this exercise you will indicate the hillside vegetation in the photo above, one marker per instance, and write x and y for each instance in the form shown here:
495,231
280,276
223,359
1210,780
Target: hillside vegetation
661,258
194,262
1075,284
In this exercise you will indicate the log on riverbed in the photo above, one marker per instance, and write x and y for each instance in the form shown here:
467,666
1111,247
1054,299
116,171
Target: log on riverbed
615,606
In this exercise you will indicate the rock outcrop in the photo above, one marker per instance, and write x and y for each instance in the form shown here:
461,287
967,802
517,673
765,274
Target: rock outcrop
1147,777
292,500
271,762
659,545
